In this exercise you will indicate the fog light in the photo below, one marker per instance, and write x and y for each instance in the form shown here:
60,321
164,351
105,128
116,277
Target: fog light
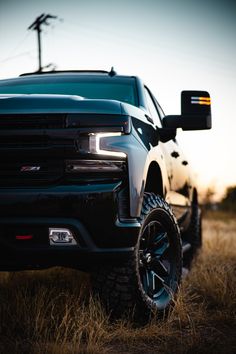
61,237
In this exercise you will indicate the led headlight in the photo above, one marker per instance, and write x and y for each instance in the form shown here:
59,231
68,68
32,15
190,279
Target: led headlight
95,140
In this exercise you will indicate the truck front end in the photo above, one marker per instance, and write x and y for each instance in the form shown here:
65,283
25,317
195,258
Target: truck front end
64,191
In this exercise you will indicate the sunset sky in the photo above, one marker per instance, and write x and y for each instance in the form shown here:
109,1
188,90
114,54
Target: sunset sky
171,45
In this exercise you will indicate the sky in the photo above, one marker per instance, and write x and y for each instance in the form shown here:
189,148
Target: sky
173,45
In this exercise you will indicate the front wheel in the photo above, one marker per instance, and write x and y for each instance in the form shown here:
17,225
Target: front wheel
149,280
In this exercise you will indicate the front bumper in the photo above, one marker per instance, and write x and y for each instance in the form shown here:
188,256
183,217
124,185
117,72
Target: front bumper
89,211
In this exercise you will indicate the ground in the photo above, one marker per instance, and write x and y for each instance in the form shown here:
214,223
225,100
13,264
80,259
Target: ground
52,311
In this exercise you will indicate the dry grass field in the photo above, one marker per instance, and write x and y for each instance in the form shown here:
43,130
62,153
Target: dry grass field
52,311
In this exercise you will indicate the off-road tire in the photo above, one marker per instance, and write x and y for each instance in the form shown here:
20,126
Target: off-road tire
122,289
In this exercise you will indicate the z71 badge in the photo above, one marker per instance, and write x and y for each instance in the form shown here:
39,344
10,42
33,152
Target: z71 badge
30,168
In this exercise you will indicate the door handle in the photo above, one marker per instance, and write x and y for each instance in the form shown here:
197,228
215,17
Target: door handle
175,154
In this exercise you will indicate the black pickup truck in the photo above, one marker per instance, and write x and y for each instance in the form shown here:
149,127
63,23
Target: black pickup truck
92,177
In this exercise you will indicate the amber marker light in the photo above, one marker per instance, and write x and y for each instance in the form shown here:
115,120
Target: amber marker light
201,100
205,100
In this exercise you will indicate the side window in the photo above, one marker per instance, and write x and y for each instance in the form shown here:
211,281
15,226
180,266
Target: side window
160,110
152,108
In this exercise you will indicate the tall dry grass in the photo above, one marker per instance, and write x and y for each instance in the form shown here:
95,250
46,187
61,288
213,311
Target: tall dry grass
52,311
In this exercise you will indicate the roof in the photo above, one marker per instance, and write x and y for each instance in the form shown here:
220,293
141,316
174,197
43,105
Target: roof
96,72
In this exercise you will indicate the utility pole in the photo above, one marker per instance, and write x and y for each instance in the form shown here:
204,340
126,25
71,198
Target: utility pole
36,26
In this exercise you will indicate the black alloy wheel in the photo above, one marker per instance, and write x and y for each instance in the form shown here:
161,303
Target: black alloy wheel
157,264
147,283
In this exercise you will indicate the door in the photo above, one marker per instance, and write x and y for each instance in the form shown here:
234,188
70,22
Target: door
177,165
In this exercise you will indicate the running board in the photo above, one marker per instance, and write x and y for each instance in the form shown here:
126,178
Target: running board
186,247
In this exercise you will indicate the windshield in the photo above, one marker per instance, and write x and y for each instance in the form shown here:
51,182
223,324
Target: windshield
123,90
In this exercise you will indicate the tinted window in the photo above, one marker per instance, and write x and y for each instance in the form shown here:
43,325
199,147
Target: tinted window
121,90
152,108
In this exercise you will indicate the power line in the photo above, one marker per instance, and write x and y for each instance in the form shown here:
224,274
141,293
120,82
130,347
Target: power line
19,44
36,26
16,56
13,51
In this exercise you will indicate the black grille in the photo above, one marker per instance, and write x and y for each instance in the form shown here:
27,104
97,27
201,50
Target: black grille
30,173
32,121
22,141
38,142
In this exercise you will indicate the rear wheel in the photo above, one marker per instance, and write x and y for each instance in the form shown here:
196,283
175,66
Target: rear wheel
146,283
193,236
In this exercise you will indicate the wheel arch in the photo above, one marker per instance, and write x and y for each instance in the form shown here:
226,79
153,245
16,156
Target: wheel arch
154,180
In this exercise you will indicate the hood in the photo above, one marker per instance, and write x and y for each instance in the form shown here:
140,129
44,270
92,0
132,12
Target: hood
34,103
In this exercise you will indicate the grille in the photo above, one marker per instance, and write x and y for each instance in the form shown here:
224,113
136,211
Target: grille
32,121
42,172
30,140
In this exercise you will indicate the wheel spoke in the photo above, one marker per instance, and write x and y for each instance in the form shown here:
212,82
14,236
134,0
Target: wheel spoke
164,288
160,279
160,237
168,290
153,283
161,267
163,241
159,293
150,232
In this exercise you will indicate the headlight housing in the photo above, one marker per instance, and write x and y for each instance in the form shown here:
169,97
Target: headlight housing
95,144
98,155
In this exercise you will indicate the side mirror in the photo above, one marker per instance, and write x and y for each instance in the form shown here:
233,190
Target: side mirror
195,112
